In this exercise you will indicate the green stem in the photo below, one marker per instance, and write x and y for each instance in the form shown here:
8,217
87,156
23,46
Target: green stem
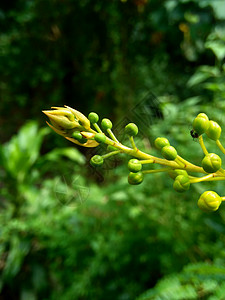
180,161
109,131
210,177
220,146
97,127
156,171
142,155
132,142
110,154
204,178
201,142
147,161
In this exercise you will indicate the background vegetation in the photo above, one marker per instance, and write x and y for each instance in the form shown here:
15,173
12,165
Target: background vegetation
66,230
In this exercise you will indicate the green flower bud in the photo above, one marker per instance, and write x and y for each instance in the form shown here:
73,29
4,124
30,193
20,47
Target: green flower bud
181,183
134,165
211,163
174,173
93,117
213,131
201,123
79,137
97,161
161,142
106,124
100,137
169,152
135,178
209,201
131,129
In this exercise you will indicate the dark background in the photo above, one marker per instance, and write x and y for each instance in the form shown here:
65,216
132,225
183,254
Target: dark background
68,231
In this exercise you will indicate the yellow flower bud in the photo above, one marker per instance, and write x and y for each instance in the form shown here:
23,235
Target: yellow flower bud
209,201
66,119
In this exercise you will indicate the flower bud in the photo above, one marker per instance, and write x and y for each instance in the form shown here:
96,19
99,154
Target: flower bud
161,142
209,201
134,165
88,144
211,163
169,152
100,137
174,173
213,131
201,123
79,137
65,120
135,178
106,124
131,129
181,183
93,117
97,161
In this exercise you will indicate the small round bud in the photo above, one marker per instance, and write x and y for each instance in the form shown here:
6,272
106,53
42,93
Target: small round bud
169,152
174,173
213,131
211,163
97,161
78,136
100,137
209,201
106,124
181,183
93,117
135,178
161,142
201,123
134,165
131,129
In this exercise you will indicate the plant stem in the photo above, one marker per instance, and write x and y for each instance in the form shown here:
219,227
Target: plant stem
156,171
220,146
112,135
132,142
201,142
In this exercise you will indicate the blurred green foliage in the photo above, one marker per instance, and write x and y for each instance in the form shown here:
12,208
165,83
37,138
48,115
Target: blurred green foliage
66,231
88,53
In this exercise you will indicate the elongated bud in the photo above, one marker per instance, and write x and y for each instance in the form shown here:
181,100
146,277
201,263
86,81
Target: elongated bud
65,120
82,120
211,163
135,178
201,123
181,183
134,165
213,131
169,152
71,124
161,142
209,201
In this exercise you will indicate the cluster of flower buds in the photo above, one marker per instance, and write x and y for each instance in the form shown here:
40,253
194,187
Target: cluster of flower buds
86,132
